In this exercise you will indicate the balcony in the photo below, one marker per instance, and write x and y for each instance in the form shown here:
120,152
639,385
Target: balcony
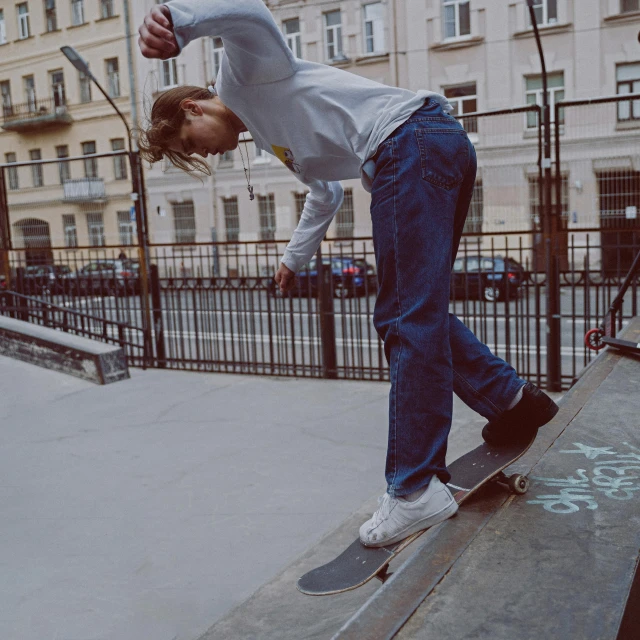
35,115
84,190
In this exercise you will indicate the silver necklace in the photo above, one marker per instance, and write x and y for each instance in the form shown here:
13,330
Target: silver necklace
247,172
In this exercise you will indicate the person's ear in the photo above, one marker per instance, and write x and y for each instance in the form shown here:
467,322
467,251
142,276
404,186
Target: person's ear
191,108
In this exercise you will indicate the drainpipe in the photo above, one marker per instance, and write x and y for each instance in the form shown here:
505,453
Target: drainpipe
132,80
554,371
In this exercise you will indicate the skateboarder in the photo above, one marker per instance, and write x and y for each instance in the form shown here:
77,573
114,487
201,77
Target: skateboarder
416,160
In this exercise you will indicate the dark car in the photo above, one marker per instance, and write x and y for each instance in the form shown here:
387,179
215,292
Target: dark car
45,279
106,277
487,278
349,277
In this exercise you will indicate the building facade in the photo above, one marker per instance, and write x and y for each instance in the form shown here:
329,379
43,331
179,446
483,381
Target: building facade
480,53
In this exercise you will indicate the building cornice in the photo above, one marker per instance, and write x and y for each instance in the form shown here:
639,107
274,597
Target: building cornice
461,43
619,18
546,30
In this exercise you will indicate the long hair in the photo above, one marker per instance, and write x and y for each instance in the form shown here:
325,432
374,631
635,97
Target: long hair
167,118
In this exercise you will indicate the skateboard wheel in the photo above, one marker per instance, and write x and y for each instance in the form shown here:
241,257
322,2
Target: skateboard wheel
518,484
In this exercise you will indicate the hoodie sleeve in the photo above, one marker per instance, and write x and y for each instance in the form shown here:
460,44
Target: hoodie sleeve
322,203
256,49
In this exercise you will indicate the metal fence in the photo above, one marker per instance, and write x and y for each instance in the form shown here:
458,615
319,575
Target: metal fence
214,306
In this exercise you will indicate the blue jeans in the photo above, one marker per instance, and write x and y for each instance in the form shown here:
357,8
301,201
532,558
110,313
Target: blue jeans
424,176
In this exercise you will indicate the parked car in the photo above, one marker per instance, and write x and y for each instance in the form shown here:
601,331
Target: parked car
349,276
485,277
46,278
106,277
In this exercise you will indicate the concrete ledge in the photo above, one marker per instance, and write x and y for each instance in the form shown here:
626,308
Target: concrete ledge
557,563
64,352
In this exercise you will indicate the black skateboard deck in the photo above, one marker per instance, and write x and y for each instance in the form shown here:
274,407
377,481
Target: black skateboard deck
358,564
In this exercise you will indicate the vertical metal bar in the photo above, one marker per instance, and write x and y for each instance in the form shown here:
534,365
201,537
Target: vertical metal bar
327,319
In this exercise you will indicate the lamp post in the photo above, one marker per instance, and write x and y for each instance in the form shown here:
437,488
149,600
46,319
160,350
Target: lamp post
549,224
137,196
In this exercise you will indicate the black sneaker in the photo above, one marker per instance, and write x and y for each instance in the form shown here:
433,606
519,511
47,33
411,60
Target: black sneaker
521,423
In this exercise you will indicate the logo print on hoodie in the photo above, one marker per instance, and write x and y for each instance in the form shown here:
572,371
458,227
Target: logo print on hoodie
286,157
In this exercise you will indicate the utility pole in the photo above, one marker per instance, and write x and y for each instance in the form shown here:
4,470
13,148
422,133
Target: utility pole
137,197
549,231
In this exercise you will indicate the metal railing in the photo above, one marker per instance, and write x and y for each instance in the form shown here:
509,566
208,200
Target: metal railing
33,109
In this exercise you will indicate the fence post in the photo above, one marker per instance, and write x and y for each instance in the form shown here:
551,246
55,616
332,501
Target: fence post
327,319
156,304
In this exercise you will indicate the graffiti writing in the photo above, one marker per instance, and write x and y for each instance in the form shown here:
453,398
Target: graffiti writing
614,475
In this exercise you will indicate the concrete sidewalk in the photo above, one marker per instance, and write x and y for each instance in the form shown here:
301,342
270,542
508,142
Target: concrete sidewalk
148,508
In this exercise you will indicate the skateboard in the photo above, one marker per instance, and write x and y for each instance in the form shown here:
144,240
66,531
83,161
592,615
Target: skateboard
358,564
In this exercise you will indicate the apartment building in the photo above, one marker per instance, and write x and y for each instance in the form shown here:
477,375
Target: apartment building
480,53
50,110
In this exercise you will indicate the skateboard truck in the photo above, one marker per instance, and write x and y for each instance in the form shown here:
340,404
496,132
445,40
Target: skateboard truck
516,483
384,575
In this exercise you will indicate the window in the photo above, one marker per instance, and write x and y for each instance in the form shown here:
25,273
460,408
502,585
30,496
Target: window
3,28
535,207
473,223
184,222
113,78
24,29
292,33
231,219
85,87
344,217
226,160
374,28
12,172
119,162
628,81
555,82
5,94
457,18
217,49
90,164
57,88
267,212
261,156
64,168
546,11
70,230
629,5
106,9
51,19
126,228
463,99
300,199
168,73
333,35
30,92
95,226
36,169
77,12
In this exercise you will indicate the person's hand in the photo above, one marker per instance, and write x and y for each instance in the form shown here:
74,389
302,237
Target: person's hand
157,38
285,278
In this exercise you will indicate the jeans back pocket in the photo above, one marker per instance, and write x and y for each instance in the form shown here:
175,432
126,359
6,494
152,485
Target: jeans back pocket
444,156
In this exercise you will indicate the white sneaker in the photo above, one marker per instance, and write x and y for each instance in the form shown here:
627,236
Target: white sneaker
397,519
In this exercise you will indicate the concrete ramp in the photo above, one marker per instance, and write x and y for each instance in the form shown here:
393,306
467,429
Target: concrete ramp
64,352
558,562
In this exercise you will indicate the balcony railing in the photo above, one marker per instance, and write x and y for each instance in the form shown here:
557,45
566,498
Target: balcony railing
35,114
84,190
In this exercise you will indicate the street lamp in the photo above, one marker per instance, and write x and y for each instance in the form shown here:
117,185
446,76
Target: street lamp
137,196
81,65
